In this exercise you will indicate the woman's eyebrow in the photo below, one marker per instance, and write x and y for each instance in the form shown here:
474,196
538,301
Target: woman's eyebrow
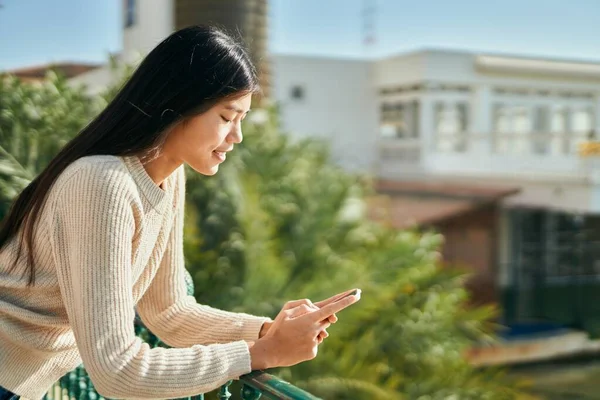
236,109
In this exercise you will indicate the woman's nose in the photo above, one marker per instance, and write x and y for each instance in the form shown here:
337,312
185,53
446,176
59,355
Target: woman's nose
235,136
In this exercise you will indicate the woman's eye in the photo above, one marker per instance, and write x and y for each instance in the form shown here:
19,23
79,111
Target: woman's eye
225,119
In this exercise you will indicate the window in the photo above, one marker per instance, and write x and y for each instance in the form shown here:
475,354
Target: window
554,244
558,121
512,125
400,120
446,120
297,92
541,119
521,120
582,127
553,267
451,120
129,13
558,130
502,123
512,119
581,121
540,142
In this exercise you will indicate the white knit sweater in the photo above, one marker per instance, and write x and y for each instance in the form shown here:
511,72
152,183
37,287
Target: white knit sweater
109,242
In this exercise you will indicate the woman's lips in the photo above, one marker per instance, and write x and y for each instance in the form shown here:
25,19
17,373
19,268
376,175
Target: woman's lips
221,155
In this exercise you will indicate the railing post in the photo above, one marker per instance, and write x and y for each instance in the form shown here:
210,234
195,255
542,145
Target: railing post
81,384
72,381
249,393
224,393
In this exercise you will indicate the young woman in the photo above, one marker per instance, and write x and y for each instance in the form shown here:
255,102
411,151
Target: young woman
99,235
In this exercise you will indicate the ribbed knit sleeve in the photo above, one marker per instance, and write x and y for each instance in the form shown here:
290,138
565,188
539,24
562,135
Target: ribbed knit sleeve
176,318
93,229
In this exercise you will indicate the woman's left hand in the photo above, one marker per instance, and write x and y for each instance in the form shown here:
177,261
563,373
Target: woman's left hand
314,306
322,335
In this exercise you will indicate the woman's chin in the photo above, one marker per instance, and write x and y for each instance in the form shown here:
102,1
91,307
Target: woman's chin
210,171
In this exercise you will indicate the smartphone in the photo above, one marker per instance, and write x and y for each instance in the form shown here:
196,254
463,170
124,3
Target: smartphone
355,292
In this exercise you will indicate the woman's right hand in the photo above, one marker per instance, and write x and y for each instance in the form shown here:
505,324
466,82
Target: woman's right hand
293,336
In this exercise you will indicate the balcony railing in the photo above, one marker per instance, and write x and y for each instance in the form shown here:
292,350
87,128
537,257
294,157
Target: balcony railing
408,150
77,385
572,156
542,143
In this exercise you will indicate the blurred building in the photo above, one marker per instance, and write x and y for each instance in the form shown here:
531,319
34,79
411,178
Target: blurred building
38,73
334,100
146,23
248,17
482,147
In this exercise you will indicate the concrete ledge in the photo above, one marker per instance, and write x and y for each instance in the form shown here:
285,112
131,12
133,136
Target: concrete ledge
535,349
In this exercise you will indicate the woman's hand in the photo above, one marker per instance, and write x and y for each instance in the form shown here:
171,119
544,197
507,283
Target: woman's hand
295,333
318,305
312,307
265,328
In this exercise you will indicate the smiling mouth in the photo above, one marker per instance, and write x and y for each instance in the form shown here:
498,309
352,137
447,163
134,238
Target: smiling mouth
221,155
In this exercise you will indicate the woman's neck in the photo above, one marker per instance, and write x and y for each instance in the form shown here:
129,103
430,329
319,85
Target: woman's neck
160,168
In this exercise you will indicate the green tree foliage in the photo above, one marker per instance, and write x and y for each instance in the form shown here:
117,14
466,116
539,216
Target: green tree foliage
36,120
280,222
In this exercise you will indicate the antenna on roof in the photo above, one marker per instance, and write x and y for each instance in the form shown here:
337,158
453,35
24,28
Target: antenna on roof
368,21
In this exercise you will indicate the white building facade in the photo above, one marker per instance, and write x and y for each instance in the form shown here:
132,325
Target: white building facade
333,100
454,115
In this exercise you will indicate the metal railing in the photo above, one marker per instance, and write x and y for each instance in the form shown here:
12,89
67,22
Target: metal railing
534,143
77,385
406,150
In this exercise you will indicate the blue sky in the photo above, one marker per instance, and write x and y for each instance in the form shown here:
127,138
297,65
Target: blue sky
38,31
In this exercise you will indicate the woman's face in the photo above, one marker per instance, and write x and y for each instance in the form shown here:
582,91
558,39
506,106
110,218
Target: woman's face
203,142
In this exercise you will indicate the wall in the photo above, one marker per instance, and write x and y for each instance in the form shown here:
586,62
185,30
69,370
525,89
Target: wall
96,81
400,70
153,23
339,105
470,243
249,18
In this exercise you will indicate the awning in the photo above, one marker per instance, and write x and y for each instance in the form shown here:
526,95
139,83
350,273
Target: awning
402,204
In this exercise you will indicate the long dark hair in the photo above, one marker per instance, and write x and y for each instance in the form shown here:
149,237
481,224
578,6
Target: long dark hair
185,75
